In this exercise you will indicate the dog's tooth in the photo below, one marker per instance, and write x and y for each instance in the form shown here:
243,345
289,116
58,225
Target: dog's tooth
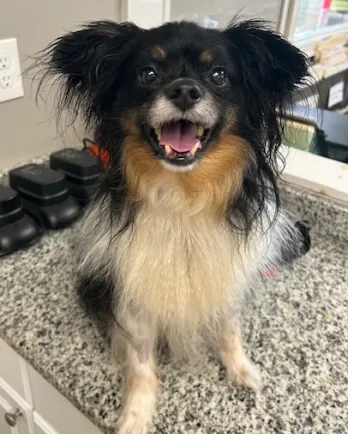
194,149
200,131
168,149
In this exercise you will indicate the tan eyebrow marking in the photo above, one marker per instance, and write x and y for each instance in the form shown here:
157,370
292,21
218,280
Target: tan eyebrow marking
206,56
158,53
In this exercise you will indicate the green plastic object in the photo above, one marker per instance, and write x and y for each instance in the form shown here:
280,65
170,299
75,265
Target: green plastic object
298,135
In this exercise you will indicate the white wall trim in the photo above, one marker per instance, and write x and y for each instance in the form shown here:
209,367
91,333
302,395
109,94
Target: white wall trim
283,22
166,10
146,13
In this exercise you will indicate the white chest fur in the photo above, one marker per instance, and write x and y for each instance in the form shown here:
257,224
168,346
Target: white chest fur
183,272
180,268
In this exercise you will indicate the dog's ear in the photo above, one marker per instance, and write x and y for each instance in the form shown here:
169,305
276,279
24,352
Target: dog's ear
269,63
270,69
87,64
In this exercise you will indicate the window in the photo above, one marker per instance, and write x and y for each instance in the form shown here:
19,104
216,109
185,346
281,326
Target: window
307,21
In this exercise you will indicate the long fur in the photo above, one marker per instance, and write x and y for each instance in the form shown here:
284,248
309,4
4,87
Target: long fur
179,264
184,272
179,248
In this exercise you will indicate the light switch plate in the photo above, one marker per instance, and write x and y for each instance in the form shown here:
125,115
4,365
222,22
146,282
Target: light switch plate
11,85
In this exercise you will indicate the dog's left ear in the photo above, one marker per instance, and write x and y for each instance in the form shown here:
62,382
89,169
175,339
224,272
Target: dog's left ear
268,62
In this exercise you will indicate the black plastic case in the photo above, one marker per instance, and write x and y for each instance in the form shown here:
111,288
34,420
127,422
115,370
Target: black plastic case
17,229
81,169
45,195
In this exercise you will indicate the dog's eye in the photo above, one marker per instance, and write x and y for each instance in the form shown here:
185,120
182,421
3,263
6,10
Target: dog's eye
148,76
219,77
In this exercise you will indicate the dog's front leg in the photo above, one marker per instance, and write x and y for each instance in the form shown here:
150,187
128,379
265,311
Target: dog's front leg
140,387
238,366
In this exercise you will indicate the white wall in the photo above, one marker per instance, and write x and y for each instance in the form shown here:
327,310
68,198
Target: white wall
24,130
224,10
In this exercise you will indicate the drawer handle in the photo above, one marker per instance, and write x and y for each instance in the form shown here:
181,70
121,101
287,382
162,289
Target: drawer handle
11,418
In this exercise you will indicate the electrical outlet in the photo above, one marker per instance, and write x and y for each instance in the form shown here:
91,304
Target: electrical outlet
5,81
11,86
5,62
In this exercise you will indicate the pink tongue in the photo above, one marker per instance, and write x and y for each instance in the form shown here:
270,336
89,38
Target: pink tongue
179,136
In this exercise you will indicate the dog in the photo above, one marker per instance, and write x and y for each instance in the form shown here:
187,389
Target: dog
187,216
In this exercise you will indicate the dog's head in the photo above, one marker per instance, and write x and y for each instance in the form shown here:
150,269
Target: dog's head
178,86
179,91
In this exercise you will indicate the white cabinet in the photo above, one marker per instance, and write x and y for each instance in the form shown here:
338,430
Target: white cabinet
5,428
15,413
24,391
42,427
10,368
52,409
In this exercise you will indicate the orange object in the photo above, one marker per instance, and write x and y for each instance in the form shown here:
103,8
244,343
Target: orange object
102,154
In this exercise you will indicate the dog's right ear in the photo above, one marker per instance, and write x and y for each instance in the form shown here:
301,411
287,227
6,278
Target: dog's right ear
87,63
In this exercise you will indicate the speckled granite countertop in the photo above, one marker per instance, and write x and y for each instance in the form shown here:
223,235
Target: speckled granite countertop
295,330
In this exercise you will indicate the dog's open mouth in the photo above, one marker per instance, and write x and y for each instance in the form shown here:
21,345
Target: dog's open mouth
181,141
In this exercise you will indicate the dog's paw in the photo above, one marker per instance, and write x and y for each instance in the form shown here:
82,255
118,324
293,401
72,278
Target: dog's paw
244,372
133,422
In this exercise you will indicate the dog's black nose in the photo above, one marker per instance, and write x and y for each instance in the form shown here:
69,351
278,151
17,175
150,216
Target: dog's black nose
184,93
